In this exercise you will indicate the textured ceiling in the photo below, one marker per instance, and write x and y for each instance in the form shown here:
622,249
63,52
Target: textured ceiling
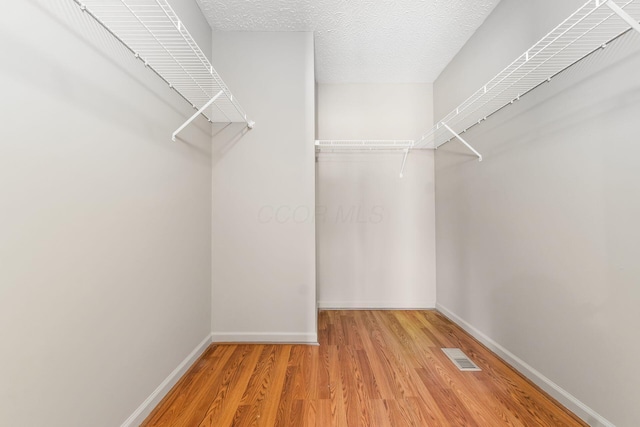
364,41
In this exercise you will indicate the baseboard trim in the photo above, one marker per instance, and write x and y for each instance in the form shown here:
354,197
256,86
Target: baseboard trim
265,337
561,395
375,305
165,386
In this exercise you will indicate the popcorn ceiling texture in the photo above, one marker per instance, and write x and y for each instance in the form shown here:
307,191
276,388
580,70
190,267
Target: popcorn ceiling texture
366,41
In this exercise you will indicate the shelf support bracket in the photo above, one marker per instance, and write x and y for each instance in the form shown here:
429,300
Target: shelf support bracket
192,118
404,162
463,141
624,15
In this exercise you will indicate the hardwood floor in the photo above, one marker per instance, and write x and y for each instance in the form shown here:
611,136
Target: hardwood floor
372,368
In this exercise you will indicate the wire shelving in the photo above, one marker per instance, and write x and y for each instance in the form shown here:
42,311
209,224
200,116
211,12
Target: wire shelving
371,144
591,27
153,32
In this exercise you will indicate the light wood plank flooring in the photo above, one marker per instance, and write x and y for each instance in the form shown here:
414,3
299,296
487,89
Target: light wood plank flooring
372,368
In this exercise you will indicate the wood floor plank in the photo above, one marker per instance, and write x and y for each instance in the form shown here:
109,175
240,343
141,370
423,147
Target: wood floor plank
359,411
382,375
325,415
231,387
372,368
310,415
255,397
351,332
389,413
192,395
270,409
449,403
323,375
337,398
404,357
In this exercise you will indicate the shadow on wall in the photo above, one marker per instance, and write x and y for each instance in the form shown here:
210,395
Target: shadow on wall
225,137
579,82
572,316
581,79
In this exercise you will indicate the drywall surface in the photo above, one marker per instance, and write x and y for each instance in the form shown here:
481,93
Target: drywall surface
538,244
263,192
375,231
104,222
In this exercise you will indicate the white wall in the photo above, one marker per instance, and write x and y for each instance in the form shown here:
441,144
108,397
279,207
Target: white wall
374,111
538,244
376,232
263,192
104,222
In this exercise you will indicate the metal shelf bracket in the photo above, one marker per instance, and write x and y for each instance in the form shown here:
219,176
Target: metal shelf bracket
404,162
463,141
155,35
623,14
192,118
589,29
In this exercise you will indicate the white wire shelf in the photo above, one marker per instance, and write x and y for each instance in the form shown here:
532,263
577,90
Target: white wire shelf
404,145
370,144
590,28
152,31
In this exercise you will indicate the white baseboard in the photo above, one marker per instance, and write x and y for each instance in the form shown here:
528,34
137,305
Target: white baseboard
561,395
376,305
265,337
161,391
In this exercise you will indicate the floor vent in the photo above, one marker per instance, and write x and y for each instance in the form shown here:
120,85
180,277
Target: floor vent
460,359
